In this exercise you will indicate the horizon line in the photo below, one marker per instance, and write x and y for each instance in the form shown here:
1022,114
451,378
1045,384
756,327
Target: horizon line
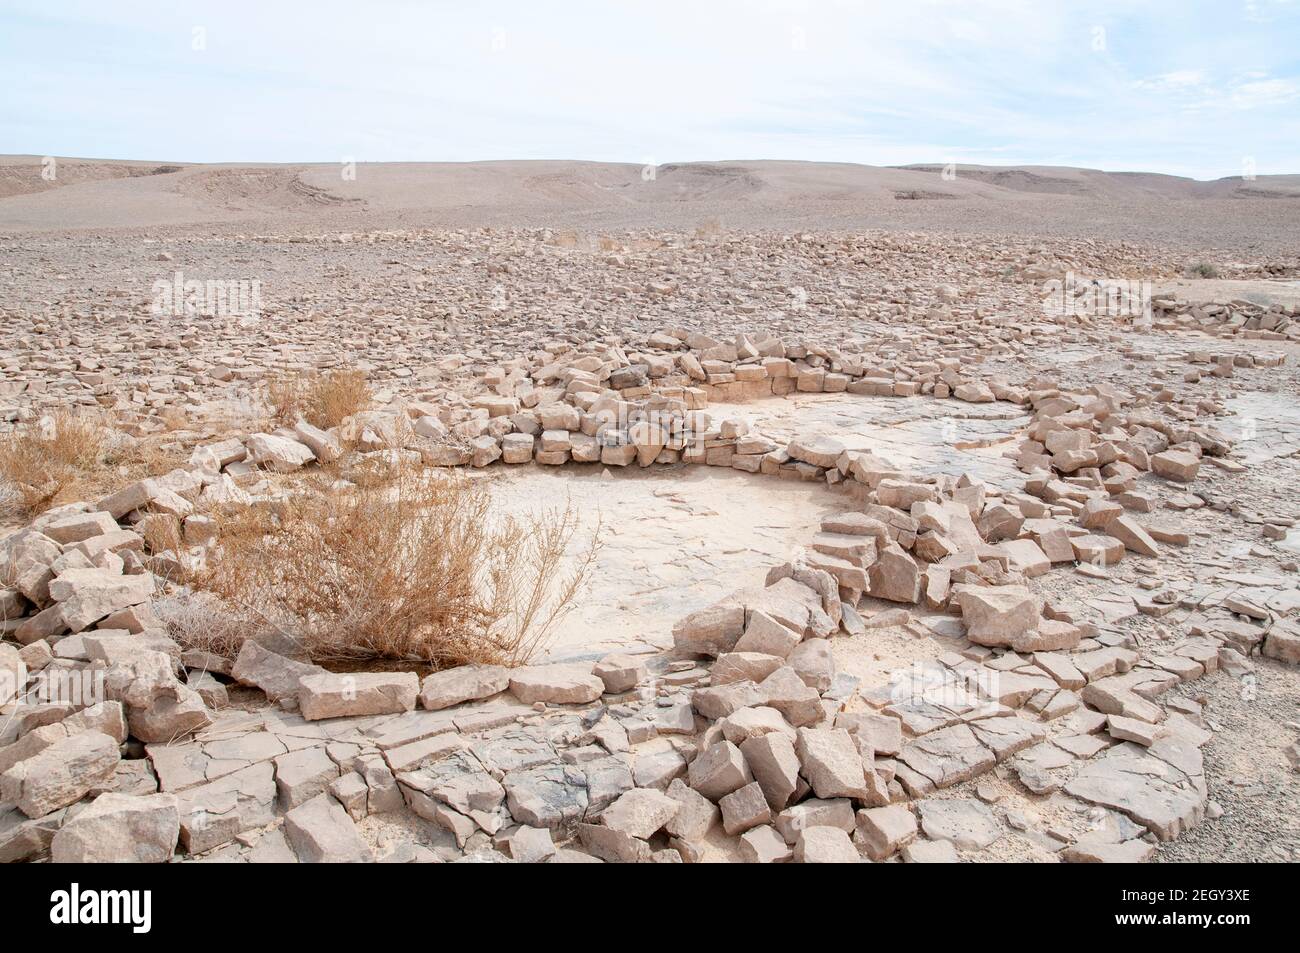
908,167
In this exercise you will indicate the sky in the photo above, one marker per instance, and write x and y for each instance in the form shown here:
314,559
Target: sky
1188,87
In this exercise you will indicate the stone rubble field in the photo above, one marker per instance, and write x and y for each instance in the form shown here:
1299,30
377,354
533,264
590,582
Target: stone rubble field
1088,654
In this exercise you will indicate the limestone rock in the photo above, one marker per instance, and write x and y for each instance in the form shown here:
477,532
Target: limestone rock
556,684
169,717
273,673
695,815
1176,465
1167,794
640,812
532,845
710,631
895,576
278,454
816,451
719,770
763,845
968,823
825,845
87,595
620,673
463,683
60,774
303,774
832,763
613,846
744,808
120,828
999,615
320,831
886,830
772,759
329,695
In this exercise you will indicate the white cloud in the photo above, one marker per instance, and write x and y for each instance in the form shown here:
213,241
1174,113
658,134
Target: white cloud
1269,92
1176,81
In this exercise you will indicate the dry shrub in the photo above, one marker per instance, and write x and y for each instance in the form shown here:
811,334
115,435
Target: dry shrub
199,621
285,393
322,399
416,569
173,418
43,460
709,228
69,456
161,533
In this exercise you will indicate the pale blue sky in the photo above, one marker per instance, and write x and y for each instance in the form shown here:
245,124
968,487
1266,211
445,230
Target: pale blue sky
1189,87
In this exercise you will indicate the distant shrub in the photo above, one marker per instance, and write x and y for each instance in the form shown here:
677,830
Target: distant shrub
321,399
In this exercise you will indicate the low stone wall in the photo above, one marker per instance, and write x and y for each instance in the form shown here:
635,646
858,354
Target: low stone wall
746,725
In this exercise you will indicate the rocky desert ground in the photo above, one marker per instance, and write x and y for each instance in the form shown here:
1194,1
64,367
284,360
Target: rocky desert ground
708,512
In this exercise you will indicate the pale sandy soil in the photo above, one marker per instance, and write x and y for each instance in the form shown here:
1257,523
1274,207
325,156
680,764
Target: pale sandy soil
87,194
672,540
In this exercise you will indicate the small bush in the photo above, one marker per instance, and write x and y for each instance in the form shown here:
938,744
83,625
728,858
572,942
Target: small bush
1202,269
43,460
70,456
416,569
200,621
323,400
709,228
284,393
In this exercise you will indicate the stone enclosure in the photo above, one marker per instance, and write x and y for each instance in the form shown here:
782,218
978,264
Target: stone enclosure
1027,650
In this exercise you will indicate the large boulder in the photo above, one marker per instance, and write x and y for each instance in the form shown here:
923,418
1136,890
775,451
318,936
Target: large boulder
321,831
999,615
60,774
556,684
120,828
274,674
462,684
279,454
87,595
329,695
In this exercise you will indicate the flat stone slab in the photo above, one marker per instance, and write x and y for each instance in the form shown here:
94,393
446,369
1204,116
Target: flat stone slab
1167,794
948,756
461,684
556,684
320,831
967,823
329,695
